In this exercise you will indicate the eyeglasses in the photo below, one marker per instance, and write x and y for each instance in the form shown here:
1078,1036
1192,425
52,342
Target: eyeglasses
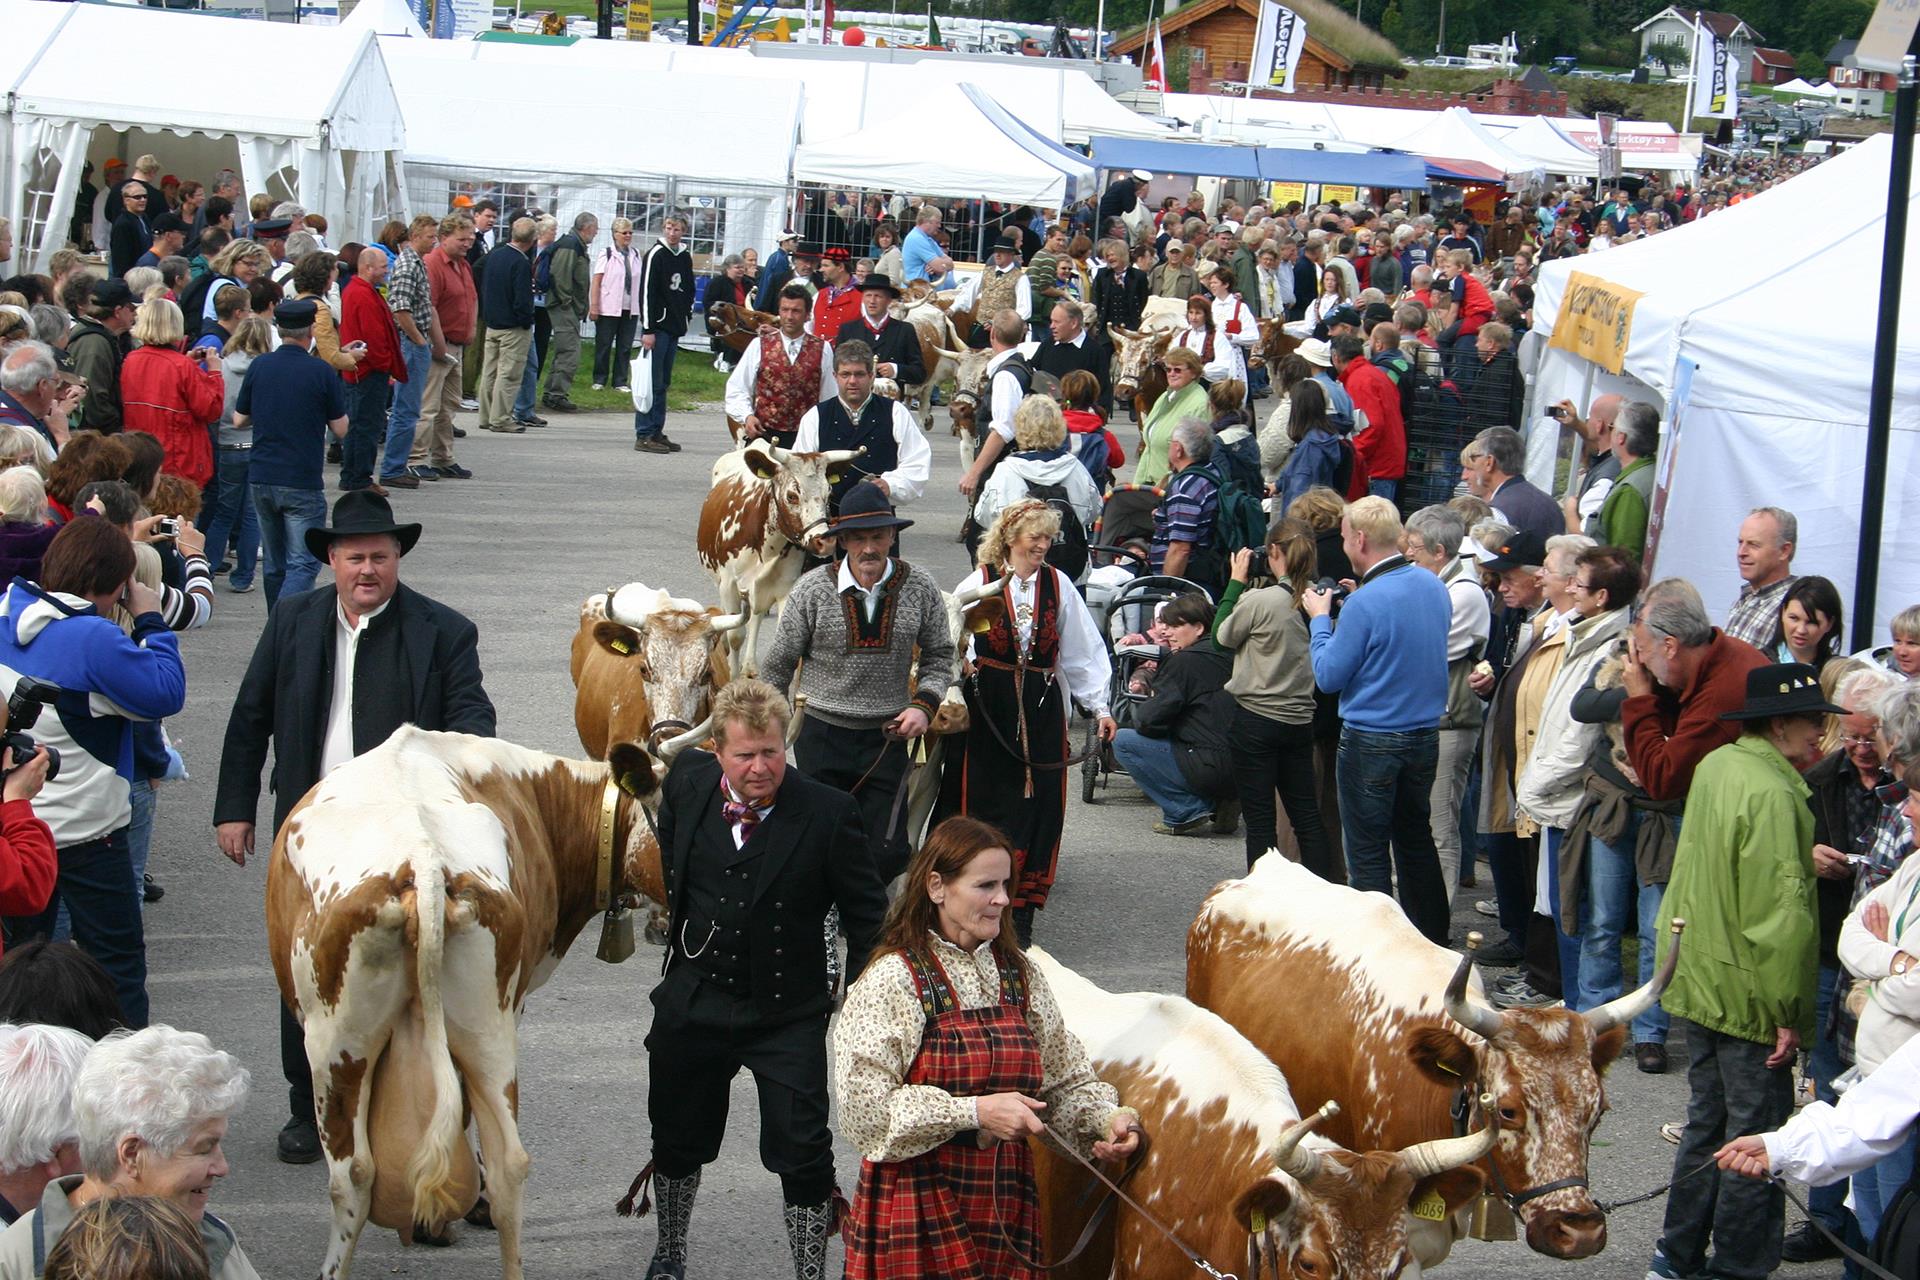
1584,588
1866,740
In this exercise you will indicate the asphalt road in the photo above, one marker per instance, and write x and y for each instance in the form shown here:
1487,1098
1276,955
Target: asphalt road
550,517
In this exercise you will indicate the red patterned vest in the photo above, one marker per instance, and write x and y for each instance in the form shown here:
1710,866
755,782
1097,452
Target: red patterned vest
785,390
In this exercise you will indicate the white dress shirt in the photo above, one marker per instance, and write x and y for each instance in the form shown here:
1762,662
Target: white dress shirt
869,596
908,480
1022,293
1228,360
1003,396
336,748
1083,661
740,830
744,380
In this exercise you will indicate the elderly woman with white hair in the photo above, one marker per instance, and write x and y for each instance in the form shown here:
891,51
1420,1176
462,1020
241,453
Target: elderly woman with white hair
25,529
1041,466
39,1138
151,1111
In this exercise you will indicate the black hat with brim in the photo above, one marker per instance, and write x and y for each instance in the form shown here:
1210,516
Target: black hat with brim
1524,550
1004,244
361,512
865,507
1784,689
876,282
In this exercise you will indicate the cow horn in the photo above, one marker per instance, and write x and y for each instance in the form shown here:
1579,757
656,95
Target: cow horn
727,621
779,455
950,354
1617,1013
1483,1022
833,456
1425,1159
978,591
1303,1166
675,745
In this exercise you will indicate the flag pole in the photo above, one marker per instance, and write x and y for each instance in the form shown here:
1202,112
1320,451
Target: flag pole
1693,73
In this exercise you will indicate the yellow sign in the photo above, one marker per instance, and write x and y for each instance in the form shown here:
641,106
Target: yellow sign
639,19
1340,195
1281,194
1595,318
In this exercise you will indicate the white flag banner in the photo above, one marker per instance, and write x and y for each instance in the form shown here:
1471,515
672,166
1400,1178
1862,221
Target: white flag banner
1279,38
1716,77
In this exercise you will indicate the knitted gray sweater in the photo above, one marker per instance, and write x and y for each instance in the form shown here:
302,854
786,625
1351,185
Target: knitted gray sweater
856,672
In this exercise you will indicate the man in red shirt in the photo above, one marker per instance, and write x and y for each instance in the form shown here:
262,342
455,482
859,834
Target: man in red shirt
456,307
366,322
838,301
1382,446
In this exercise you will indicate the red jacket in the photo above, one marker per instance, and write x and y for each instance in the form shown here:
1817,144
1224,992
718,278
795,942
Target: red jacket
1476,304
365,317
1670,732
1382,447
828,316
28,864
170,397
1082,421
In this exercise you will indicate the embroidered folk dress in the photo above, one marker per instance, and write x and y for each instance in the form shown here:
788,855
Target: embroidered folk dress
918,1040
1042,649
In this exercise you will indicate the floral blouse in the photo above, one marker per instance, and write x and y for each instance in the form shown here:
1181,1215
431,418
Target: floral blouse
878,1034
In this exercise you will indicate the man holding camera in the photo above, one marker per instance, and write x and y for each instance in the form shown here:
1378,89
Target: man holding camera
59,648
1387,659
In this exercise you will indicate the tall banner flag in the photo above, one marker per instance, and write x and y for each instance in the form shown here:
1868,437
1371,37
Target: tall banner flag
1156,72
1279,38
1716,77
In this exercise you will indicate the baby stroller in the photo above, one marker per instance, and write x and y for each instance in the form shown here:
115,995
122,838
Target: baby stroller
1124,600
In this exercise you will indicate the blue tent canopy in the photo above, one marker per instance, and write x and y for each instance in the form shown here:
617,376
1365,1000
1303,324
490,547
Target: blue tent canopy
1392,170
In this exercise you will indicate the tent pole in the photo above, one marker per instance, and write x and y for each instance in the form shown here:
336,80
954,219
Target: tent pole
1873,493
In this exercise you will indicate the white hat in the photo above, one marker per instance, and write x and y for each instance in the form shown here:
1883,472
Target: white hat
1314,351
787,235
1142,175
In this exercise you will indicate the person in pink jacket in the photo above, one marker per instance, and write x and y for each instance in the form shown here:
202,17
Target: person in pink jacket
614,306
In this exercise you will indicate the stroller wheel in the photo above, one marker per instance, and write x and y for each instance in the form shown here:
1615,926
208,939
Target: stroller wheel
1090,767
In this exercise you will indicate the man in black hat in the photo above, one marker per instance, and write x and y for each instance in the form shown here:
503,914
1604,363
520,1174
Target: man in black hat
334,674
895,343
271,234
131,234
1003,286
1338,322
169,238
95,353
857,624
1123,195
291,399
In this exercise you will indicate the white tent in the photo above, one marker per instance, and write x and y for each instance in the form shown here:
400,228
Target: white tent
329,137
1544,145
984,153
30,27
1454,134
1806,89
384,18
734,187
1763,407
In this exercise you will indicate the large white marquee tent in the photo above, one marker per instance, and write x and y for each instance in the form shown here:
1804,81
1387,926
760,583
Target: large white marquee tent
1763,405
329,135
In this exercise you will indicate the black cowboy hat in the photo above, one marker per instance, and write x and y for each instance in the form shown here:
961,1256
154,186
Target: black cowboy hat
1524,550
1784,689
1004,244
361,511
865,507
876,280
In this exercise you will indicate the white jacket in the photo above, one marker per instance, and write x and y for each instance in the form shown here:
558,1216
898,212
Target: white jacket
1892,1014
1008,485
1552,779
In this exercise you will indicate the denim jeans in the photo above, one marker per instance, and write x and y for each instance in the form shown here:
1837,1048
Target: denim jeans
1875,1186
1566,945
654,420
1155,769
1270,756
98,889
1828,1203
407,399
366,413
233,517
1616,897
286,514
1731,1091
529,386
1510,860
1386,780
1388,489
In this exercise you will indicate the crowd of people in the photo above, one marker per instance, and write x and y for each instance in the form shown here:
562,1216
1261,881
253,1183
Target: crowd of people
1402,697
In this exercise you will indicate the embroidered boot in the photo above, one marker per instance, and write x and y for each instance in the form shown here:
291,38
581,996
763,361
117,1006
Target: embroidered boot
675,1204
808,1226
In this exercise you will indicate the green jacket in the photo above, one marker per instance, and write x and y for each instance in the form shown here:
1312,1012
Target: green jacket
1743,881
1623,516
24,1245
572,275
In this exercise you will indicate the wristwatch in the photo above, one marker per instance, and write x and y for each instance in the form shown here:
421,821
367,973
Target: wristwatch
1901,963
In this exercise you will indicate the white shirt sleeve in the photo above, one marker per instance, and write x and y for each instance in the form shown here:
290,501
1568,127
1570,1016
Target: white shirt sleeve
1249,335
1472,619
740,383
1828,1141
1023,296
1083,658
828,387
1005,399
969,290
806,436
907,481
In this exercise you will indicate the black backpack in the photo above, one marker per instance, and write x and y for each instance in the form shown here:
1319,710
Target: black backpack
1897,1248
1069,551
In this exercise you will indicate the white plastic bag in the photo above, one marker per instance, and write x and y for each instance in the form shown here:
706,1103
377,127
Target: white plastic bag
642,376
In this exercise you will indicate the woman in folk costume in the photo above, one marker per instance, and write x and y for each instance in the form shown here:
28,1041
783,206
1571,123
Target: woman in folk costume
942,1048
1039,652
1233,321
1220,360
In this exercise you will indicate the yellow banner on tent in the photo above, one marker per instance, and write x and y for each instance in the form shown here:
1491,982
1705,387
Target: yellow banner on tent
639,19
1340,195
1282,194
1595,318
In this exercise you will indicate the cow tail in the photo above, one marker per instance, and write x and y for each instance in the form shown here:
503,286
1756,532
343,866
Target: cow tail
430,1171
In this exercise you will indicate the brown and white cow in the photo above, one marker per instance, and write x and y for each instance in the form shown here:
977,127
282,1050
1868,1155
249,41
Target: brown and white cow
1356,1007
1139,377
969,389
731,327
645,665
415,897
1230,1167
767,506
935,332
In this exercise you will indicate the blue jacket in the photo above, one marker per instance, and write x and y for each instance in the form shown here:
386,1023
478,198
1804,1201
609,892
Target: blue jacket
506,288
1312,462
1387,658
108,679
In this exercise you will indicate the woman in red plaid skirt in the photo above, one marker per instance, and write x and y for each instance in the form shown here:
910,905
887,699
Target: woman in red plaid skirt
948,1053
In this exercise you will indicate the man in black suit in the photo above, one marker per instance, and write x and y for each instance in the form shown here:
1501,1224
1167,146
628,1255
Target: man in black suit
1070,345
408,660
895,343
754,855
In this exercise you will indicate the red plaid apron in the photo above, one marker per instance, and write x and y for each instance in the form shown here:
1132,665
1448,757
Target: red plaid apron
931,1217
